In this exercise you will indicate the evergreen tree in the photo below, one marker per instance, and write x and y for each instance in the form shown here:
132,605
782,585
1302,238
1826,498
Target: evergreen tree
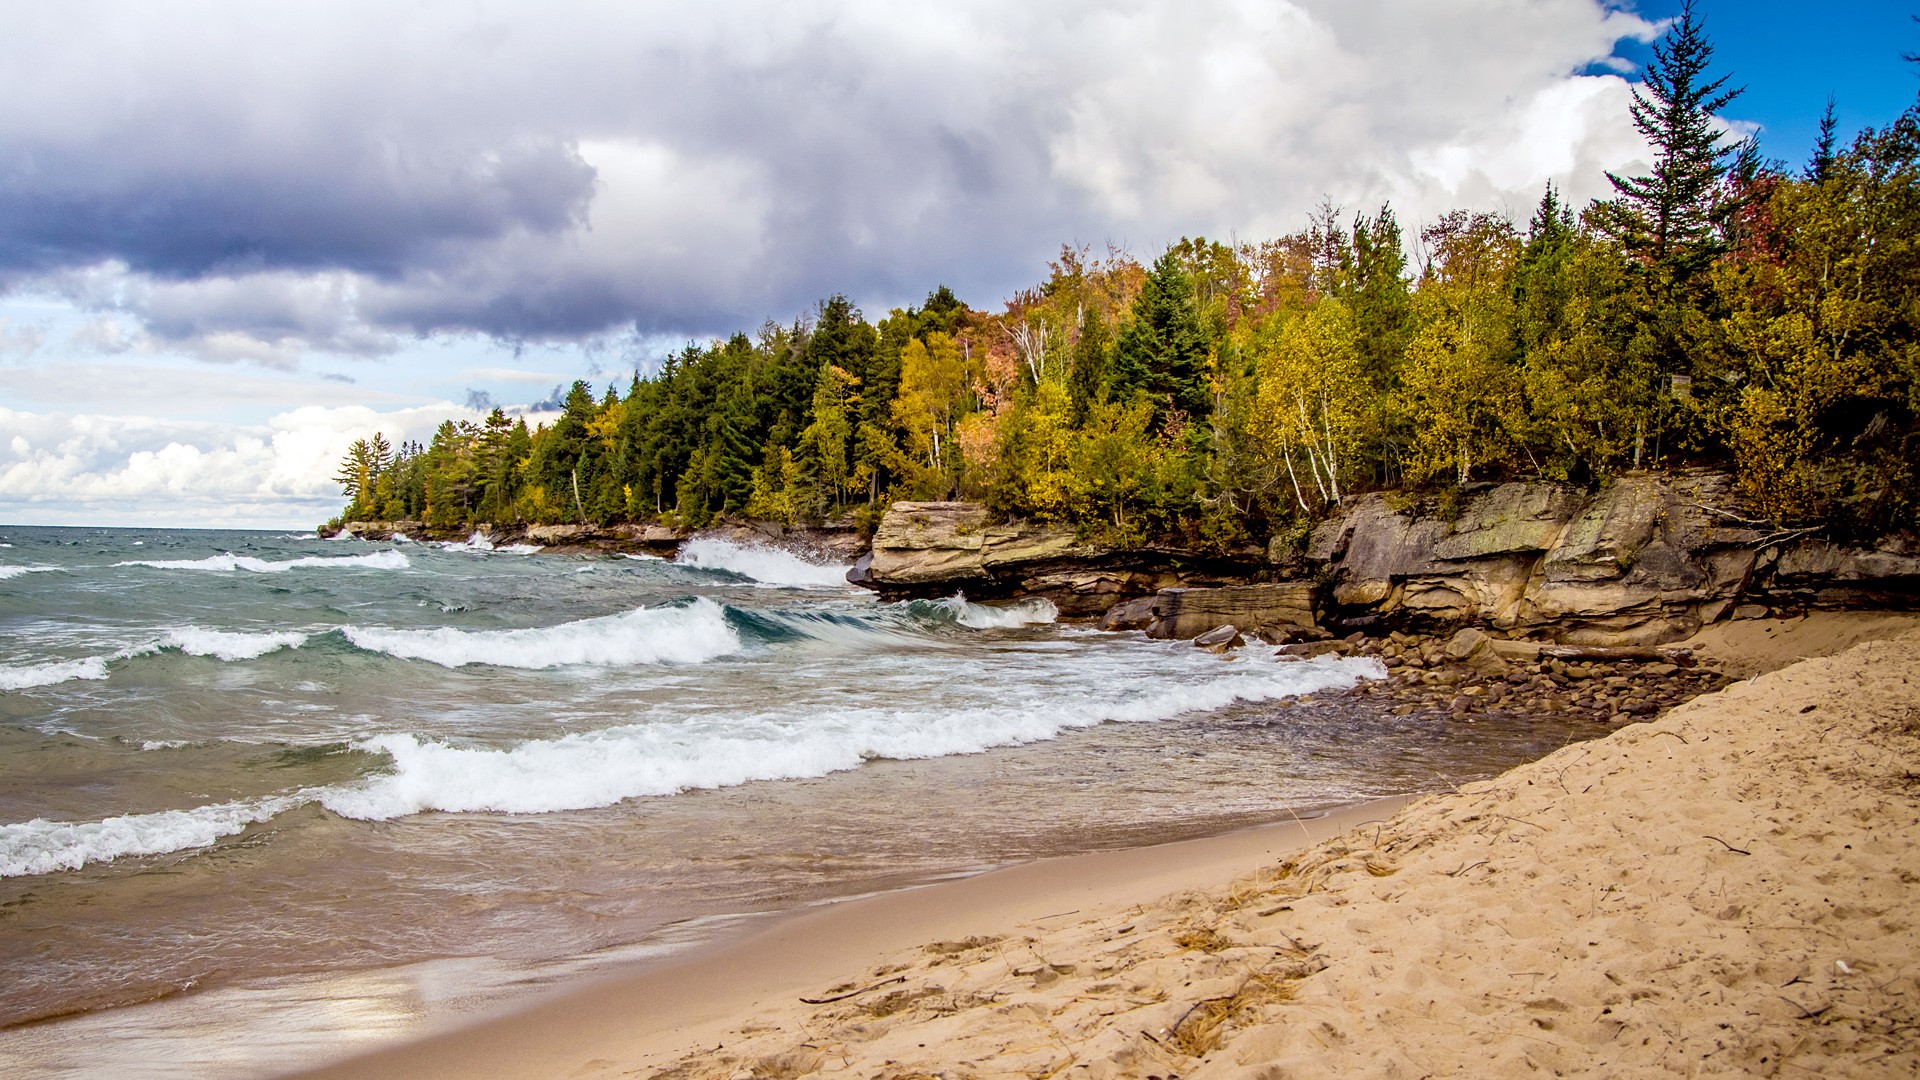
1162,353
1820,164
1667,215
1087,377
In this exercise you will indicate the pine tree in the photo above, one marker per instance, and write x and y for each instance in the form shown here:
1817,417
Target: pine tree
1163,352
1087,377
1820,165
1667,215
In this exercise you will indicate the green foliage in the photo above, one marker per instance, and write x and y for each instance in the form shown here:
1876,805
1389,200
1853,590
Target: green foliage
1162,353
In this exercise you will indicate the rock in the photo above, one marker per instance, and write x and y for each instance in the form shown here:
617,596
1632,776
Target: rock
557,535
1220,639
1464,643
1134,614
1750,611
1184,613
1475,649
861,572
1307,650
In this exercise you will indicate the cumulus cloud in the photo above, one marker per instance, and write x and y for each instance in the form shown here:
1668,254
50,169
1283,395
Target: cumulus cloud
259,182
62,468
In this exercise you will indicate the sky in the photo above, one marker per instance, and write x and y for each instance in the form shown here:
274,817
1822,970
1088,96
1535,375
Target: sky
236,236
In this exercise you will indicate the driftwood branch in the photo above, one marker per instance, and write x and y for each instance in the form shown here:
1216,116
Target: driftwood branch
1671,654
830,999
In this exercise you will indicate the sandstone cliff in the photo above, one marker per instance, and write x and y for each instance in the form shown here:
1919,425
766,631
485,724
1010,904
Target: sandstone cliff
1645,560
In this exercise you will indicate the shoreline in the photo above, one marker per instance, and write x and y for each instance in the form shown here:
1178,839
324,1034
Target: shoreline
805,950
949,973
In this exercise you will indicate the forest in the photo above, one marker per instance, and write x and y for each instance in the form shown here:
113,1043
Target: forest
1724,309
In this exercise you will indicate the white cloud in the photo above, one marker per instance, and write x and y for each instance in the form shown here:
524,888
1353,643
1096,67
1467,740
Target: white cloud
258,185
62,468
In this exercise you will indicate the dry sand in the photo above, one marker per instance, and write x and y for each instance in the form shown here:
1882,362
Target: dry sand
1728,890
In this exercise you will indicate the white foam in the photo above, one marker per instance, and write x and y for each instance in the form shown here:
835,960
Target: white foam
379,560
41,846
765,565
687,634
15,571
684,752
230,645
1032,611
480,541
47,674
642,557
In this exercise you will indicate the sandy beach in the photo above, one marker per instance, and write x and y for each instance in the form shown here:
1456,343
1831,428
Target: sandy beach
1727,890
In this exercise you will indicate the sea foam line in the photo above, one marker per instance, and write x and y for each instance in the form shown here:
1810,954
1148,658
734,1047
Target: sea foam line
592,769
227,645
686,634
229,562
16,571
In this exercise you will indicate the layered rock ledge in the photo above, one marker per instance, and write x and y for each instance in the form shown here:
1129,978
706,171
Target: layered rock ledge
1648,559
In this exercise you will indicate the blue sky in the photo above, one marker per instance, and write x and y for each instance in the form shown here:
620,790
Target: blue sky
235,236
1791,56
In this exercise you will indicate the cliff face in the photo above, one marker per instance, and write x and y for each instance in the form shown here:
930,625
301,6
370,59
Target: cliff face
929,549
1645,560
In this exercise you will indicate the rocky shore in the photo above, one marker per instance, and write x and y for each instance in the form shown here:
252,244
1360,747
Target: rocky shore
1646,560
1471,675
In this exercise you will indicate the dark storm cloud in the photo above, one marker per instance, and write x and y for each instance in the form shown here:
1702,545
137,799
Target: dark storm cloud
258,180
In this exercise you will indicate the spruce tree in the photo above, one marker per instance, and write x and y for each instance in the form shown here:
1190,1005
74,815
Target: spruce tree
1162,354
1820,164
1667,215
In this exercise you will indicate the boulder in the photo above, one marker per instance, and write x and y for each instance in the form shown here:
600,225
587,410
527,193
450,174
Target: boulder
1185,613
1220,639
1134,614
1475,649
927,542
1307,650
861,572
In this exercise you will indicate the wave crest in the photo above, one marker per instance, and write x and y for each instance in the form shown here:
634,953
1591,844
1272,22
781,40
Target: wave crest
27,676
686,634
379,560
760,564
41,846
592,769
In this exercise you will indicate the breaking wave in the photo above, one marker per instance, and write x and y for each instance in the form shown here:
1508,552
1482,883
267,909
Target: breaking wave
27,676
379,560
15,571
41,846
685,634
600,768
758,563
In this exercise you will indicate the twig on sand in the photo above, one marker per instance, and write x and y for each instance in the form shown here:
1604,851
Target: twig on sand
1729,847
830,999
1464,869
1675,734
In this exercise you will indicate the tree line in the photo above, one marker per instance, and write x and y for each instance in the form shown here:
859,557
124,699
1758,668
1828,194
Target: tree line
1721,309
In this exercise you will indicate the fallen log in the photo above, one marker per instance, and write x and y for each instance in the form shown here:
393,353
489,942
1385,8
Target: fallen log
1613,654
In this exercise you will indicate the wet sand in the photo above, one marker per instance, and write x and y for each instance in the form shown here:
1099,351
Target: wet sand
1726,890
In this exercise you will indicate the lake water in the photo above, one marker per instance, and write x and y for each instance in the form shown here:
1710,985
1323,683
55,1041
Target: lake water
264,796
